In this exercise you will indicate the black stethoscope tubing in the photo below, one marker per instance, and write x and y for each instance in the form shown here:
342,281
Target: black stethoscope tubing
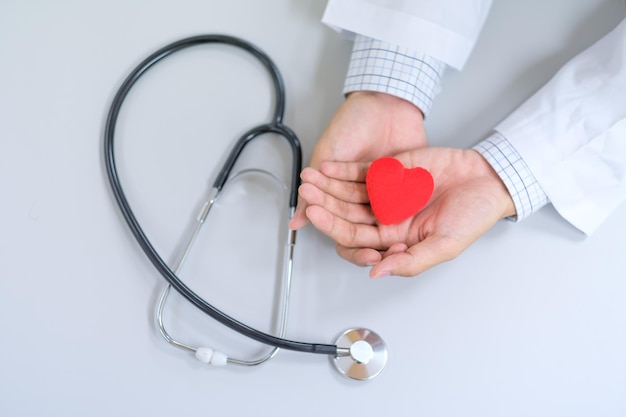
275,126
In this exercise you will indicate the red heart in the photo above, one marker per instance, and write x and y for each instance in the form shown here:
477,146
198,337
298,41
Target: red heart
395,192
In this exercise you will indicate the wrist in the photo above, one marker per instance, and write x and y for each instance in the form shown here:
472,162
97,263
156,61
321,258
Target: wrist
498,187
389,101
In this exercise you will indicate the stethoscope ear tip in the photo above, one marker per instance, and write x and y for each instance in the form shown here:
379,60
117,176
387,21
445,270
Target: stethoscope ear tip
210,356
363,354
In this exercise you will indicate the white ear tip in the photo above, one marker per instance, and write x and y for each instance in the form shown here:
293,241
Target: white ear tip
219,359
204,354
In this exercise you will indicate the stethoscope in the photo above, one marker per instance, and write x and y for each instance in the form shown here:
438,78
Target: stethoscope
357,353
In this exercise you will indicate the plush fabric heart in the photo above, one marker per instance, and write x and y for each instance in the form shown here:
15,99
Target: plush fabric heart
395,192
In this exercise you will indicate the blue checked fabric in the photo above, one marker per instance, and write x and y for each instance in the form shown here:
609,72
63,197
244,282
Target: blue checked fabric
527,194
385,68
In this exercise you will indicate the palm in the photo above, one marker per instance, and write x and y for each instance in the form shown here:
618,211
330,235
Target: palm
468,199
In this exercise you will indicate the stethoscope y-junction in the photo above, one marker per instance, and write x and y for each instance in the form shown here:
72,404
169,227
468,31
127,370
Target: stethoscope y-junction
357,353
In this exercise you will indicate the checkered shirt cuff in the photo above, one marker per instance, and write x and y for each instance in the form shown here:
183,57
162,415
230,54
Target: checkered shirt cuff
527,194
386,68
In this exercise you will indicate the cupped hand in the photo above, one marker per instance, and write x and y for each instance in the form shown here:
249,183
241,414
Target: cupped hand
469,198
366,126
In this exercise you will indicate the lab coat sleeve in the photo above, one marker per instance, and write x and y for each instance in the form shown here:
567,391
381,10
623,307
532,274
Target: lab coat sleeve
572,133
444,29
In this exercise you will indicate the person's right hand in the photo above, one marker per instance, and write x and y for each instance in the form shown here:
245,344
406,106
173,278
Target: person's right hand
468,199
366,126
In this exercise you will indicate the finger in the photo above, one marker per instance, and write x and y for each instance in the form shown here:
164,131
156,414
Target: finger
357,170
299,219
359,256
345,171
344,232
354,213
417,259
353,192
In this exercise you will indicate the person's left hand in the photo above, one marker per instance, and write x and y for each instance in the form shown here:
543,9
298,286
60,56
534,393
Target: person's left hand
469,198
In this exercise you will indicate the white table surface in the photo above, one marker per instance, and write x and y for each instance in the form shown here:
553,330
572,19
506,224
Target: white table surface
531,320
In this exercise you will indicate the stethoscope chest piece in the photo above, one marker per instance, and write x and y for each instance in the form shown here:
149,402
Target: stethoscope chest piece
364,354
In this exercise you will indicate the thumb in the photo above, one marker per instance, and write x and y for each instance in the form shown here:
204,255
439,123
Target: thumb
416,259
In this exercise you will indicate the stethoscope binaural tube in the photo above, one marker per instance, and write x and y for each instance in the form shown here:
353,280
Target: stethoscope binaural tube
275,126
206,354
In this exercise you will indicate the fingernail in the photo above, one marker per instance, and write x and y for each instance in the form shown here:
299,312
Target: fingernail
382,274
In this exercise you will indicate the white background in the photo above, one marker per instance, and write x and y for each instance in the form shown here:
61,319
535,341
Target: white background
531,320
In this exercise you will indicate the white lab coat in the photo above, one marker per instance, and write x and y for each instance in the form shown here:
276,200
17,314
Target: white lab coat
444,29
571,133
